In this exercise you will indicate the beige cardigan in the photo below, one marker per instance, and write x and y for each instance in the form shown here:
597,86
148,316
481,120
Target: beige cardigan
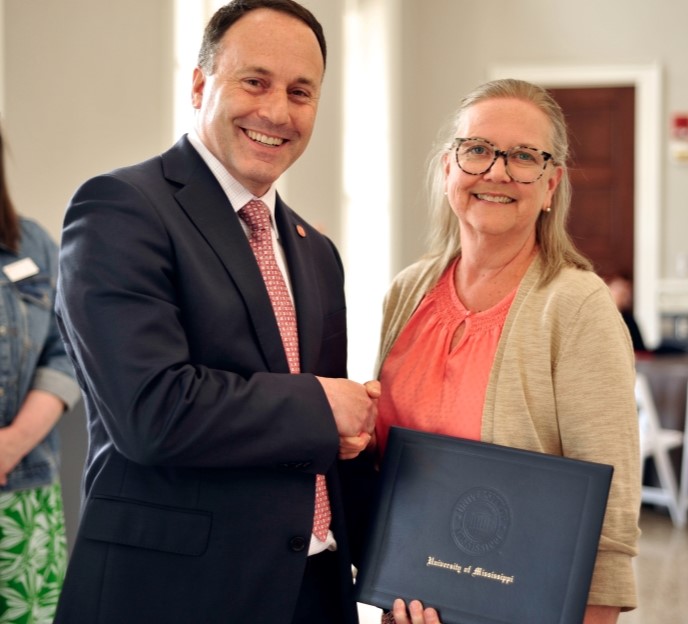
562,382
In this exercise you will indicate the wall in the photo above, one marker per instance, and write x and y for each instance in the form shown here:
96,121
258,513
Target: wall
87,87
314,182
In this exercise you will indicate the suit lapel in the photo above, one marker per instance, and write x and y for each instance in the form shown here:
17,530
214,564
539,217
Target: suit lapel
206,205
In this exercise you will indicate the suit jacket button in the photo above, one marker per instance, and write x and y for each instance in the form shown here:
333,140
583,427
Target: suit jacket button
297,544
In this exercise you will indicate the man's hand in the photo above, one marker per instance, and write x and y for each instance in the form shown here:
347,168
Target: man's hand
351,447
354,407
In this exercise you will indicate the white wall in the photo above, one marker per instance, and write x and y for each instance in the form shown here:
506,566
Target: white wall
313,185
88,87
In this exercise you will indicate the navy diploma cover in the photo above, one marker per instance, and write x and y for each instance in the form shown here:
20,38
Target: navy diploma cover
484,533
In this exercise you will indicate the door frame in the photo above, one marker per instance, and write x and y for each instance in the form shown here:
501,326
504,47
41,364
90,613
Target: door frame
647,192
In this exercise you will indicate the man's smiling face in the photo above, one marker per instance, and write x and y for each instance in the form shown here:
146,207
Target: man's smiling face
257,109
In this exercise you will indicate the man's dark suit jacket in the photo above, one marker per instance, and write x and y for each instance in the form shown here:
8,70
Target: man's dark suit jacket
203,451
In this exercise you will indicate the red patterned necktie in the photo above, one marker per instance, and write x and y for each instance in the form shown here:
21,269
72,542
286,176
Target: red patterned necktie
257,216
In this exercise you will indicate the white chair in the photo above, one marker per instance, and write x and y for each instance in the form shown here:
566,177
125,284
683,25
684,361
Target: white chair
683,482
656,443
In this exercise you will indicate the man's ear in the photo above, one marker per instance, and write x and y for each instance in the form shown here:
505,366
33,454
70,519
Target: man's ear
197,87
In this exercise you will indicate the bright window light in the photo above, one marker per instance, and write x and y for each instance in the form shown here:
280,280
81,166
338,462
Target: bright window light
367,178
190,18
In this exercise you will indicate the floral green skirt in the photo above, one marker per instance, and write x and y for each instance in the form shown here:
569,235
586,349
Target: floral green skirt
33,554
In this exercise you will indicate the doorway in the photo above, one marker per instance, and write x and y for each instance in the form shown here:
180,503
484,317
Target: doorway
601,167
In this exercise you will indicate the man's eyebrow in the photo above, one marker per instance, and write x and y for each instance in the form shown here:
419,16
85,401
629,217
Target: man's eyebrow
255,69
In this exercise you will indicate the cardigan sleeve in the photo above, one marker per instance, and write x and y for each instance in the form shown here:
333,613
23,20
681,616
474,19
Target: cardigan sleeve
563,383
594,380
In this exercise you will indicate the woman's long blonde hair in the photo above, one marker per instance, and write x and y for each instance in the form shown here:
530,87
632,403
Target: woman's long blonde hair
557,249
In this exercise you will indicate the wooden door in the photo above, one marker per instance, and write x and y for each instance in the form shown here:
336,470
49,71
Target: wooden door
601,136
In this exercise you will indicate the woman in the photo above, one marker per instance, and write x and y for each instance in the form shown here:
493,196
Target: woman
504,318
37,385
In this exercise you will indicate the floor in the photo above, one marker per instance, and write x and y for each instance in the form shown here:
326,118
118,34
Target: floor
661,571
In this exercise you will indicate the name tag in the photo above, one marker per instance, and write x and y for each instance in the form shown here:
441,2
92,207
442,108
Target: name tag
21,269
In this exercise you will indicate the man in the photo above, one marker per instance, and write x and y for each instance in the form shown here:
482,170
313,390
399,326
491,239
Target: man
207,432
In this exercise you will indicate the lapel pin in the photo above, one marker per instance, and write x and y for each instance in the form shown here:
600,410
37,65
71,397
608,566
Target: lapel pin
301,231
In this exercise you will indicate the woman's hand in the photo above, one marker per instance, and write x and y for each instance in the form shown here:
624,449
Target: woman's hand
595,614
10,453
416,614
36,417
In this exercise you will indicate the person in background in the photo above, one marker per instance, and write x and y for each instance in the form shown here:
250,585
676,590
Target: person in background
503,333
37,386
207,322
621,288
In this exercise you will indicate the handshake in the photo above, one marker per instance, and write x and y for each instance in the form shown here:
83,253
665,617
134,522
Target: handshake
354,407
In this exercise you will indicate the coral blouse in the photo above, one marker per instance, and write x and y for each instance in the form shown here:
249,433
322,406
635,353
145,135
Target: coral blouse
426,384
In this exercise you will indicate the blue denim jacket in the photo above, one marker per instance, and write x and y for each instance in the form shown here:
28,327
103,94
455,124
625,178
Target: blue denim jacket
32,355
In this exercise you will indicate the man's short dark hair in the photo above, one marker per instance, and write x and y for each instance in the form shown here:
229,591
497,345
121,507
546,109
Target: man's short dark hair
229,14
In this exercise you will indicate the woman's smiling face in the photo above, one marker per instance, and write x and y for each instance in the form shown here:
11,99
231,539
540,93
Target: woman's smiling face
492,204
